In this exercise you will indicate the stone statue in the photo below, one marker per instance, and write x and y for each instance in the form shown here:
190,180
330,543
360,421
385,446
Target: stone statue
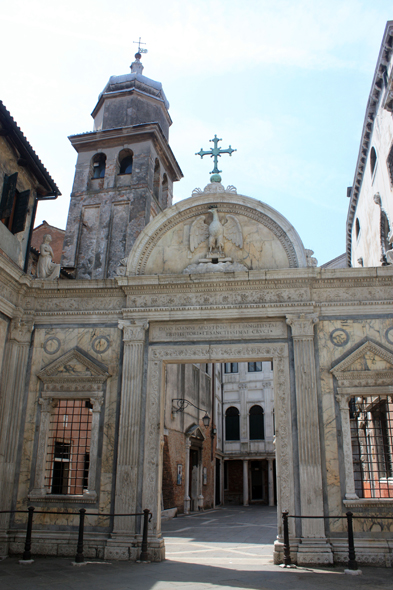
47,269
311,261
215,232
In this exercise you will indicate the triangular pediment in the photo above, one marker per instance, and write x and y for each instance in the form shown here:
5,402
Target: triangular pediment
74,365
194,431
369,358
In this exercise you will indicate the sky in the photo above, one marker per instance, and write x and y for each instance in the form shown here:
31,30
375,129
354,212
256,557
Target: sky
285,82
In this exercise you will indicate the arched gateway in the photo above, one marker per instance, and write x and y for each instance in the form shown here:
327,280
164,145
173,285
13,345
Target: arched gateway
217,278
211,305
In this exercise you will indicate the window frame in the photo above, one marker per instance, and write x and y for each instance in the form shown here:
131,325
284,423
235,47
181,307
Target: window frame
57,386
234,426
252,427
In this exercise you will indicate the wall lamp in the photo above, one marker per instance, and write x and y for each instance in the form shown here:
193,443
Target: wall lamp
179,405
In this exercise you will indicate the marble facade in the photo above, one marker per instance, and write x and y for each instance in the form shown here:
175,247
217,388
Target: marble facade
110,340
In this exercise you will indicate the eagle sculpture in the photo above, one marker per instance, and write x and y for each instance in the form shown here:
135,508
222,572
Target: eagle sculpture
215,232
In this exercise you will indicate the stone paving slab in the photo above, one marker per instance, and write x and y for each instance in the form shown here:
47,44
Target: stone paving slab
59,574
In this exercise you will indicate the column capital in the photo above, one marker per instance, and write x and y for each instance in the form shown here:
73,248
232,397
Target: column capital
21,329
343,401
302,325
96,402
133,330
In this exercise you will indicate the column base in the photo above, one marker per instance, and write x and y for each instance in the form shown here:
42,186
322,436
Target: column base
314,551
4,545
128,548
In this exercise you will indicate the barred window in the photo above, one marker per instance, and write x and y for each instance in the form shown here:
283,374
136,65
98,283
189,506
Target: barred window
231,367
371,420
67,465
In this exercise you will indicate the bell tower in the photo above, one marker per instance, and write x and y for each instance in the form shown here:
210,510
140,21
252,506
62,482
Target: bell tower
124,174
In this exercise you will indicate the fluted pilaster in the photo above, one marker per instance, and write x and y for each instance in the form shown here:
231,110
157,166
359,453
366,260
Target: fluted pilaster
129,427
350,492
11,402
311,499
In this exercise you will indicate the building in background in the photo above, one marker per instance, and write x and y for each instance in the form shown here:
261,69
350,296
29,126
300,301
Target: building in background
248,428
23,182
370,213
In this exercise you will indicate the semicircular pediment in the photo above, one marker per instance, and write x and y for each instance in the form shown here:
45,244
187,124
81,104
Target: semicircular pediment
215,232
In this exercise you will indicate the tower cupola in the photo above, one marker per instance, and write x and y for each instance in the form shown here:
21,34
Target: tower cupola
132,99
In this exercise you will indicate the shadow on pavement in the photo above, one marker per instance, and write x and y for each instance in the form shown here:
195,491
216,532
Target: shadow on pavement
59,574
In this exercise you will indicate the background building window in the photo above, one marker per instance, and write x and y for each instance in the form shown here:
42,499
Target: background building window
389,163
373,160
357,227
231,367
257,426
232,424
99,165
67,468
255,367
371,420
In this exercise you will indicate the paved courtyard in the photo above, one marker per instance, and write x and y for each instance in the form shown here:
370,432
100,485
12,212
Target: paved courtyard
224,549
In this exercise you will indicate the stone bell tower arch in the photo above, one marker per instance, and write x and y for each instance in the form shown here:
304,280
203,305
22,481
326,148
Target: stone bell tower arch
124,174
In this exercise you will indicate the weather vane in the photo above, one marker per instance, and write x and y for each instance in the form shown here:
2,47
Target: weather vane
140,49
215,152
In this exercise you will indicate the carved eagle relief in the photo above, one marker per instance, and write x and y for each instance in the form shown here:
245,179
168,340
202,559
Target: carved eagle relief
215,232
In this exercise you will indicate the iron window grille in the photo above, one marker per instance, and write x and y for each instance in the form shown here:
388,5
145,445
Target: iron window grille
68,459
371,420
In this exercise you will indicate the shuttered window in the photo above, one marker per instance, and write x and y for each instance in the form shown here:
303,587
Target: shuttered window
13,205
20,212
8,197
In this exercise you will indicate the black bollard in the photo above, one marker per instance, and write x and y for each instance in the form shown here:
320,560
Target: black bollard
27,551
352,563
79,558
287,551
144,555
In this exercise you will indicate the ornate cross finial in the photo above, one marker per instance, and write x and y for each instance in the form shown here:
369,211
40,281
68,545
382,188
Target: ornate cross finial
215,152
140,49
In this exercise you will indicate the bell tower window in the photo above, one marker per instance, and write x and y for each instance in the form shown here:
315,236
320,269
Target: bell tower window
156,180
125,161
99,164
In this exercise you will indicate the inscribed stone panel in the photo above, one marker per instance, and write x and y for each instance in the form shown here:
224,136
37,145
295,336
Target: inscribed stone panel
197,331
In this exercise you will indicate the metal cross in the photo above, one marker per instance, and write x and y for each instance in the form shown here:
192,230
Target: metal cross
215,152
140,49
